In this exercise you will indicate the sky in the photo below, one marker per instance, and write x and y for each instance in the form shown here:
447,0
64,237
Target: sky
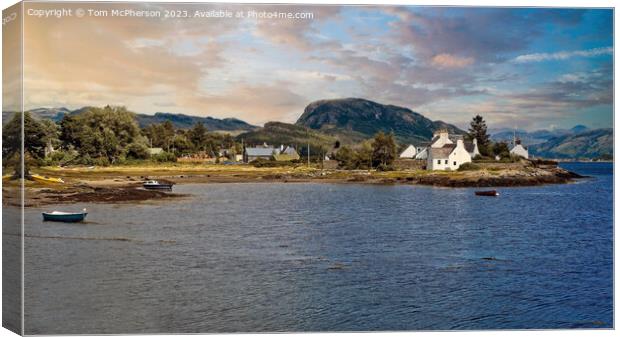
527,68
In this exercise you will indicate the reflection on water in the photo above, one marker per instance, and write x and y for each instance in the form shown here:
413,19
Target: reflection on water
317,257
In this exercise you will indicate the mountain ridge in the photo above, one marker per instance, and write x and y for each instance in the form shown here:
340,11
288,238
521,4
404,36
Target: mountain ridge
356,119
179,120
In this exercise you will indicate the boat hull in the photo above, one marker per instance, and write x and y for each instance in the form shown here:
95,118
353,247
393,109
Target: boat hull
487,193
77,217
43,179
158,187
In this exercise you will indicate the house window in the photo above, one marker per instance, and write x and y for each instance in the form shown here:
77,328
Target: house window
454,164
446,161
439,161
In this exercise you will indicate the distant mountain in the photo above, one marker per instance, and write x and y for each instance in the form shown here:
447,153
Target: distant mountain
54,114
534,137
356,119
579,129
178,120
277,133
186,122
588,144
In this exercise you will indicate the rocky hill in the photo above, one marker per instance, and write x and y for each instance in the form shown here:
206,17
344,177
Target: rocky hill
276,133
598,143
178,120
356,119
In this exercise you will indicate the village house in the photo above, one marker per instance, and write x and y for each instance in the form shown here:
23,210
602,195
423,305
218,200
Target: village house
267,152
445,154
409,153
230,154
518,149
444,151
155,150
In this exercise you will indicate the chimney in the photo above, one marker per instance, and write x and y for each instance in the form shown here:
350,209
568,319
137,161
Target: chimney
281,147
475,141
459,143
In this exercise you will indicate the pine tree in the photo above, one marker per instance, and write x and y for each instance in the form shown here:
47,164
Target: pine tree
478,131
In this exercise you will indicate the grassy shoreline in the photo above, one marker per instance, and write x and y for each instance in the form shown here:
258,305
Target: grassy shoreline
116,184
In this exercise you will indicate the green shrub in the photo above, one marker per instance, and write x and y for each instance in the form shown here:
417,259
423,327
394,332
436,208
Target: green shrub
384,167
137,151
469,167
271,163
164,157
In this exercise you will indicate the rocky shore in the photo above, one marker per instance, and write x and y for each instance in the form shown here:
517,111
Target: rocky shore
117,185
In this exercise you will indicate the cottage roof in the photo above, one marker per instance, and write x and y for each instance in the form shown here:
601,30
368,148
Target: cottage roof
260,151
469,146
290,151
454,138
518,145
442,152
285,157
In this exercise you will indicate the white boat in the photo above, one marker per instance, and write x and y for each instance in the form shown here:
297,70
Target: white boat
156,185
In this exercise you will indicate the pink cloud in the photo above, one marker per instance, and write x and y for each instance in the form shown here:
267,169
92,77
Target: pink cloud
451,61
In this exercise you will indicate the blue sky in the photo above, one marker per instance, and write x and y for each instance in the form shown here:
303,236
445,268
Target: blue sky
517,67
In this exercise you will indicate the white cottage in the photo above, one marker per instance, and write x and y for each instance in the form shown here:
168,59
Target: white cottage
518,149
445,154
409,153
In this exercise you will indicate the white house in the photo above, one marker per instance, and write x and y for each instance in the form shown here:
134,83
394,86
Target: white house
518,149
472,148
422,153
409,153
444,154
155,150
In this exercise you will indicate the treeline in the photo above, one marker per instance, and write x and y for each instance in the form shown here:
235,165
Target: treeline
105,136
378,153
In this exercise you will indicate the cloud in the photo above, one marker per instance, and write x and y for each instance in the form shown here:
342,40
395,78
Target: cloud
451,61
484,34
563,55
299,33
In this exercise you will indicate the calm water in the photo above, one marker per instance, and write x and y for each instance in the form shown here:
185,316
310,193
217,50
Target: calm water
316,257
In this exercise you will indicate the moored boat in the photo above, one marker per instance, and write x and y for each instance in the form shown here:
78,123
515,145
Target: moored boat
64,216
491,193
156,185
43,179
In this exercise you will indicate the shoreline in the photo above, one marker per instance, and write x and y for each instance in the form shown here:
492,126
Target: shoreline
120,184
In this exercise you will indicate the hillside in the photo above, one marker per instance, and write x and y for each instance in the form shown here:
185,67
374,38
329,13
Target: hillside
588,144
185,122
534,137
356,119
178,120
277,133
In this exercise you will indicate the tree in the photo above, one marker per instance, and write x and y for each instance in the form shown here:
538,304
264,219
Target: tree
363,156
345,158
501,149
33,140
137,150
100,134
383,150
478,131
198,135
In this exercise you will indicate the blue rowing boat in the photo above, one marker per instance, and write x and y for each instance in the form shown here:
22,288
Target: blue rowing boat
64,216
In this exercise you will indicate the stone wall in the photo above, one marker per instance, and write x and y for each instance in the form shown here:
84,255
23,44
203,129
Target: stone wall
409,164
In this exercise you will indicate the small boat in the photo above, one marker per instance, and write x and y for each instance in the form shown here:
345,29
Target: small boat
156,185
64,216
491,193
44,179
